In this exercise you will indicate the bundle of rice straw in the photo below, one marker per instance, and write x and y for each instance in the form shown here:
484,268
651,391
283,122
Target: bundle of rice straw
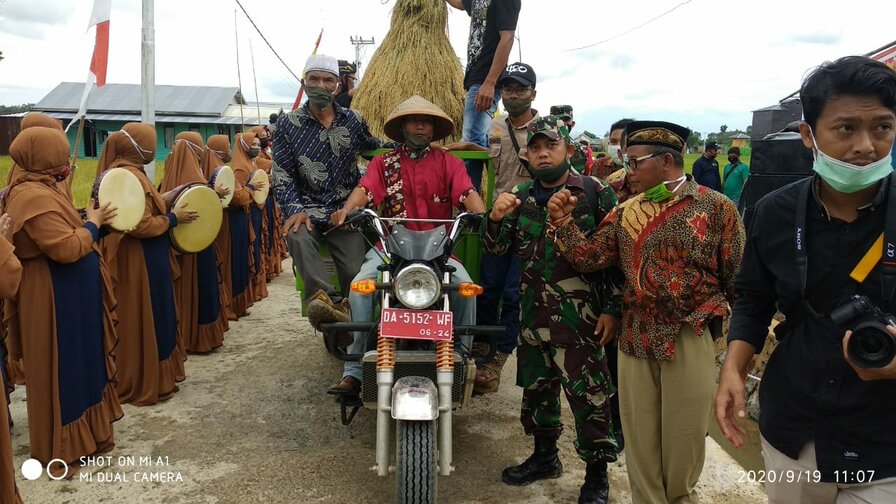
414,58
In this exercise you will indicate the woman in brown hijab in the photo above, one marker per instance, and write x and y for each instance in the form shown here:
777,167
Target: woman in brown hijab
245,255
217,154
150,363
15,370
197,292
62,318
10,275
273,241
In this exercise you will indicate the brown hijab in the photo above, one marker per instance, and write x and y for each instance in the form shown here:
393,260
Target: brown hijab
241,161
41,153
182,165
132,147
215,151
30,120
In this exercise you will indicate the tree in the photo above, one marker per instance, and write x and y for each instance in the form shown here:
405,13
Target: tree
723,128
694,140
13,109
750,130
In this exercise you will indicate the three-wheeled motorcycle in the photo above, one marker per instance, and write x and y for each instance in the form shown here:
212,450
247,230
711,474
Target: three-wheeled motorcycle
419,365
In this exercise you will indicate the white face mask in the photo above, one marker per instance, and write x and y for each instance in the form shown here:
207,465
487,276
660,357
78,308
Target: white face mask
613,153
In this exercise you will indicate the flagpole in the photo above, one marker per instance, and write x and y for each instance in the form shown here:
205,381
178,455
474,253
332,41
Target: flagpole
148,86
71,176
302,88
239,79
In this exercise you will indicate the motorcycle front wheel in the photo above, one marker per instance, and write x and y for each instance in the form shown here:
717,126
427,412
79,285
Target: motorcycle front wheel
416,472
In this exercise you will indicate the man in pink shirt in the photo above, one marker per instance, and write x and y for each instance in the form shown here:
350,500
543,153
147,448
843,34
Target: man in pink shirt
416,182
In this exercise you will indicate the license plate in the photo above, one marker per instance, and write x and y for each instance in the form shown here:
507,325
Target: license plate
416,324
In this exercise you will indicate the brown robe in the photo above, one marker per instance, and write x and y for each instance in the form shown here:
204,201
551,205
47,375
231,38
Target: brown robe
243,167
274,250
242,198
142,378
10,275
45,226
216,150
182,167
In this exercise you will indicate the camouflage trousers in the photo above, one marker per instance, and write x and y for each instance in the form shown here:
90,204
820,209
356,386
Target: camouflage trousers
581,370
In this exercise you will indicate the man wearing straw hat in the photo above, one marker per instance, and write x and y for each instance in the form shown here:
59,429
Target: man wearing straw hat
416,182
315,168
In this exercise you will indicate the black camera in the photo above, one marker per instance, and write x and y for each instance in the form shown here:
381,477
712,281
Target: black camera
871,345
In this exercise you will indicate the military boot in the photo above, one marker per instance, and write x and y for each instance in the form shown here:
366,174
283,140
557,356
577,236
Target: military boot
596,489
542,464
488,378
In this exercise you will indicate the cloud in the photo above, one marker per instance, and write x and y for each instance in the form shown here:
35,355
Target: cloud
32,18
821,38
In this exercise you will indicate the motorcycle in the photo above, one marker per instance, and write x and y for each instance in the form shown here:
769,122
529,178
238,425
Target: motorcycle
419,365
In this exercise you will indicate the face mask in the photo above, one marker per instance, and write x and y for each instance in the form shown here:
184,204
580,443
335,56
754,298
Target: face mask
415,142
146,154
660,192
846,177
613,152
264,142
63,174
319,98
549,175
516,106
732,159
625,163
227,157
254,152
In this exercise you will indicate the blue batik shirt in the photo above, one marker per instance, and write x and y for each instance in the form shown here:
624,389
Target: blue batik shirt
315,169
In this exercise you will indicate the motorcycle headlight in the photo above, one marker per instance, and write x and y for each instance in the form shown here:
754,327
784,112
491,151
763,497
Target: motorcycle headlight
417,286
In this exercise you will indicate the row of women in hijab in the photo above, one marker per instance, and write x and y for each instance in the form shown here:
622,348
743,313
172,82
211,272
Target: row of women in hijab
98,319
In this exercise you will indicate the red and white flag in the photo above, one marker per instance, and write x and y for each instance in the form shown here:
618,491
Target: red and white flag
100,59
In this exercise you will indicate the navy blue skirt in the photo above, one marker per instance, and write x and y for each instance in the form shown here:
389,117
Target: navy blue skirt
209,293
78,305
239,250
257,217
269,210
161,290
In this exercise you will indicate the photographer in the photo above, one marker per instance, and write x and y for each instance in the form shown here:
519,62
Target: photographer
828,401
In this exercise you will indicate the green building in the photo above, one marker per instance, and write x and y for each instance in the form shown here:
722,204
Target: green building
206,109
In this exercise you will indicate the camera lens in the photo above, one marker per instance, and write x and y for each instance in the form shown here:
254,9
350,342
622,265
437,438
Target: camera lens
871,346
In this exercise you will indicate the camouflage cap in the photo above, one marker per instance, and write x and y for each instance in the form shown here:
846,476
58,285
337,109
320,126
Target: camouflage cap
550,126
564,111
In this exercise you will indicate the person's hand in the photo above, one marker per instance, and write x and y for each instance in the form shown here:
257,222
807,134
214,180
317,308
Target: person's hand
607,328
337,218
4,227
887,372
260,185
223,192
184,215
504,206
102,215
561,205
730,405
295,222
457,146
485,97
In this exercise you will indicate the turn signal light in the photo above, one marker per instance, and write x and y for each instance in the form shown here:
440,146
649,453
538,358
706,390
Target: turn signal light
469,289
366,286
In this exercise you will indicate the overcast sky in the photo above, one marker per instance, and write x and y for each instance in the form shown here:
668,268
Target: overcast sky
707,63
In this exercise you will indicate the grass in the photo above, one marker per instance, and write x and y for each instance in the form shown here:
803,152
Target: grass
84,176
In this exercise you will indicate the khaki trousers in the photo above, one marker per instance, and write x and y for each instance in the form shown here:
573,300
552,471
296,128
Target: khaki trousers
807,491
665,409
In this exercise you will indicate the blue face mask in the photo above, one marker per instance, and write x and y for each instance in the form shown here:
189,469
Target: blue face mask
846,177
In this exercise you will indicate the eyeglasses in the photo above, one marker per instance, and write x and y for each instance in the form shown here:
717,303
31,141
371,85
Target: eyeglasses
515,91
633,162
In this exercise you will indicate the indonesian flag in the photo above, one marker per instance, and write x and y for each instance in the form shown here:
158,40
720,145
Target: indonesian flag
100,59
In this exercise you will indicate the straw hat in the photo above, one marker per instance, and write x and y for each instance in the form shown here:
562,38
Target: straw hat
443,126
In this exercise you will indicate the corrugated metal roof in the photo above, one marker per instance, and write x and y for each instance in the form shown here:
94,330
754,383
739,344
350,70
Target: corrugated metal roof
126,99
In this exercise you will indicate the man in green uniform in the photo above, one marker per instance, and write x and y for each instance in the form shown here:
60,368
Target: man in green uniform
566,316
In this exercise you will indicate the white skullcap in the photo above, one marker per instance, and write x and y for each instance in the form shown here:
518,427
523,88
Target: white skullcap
322,63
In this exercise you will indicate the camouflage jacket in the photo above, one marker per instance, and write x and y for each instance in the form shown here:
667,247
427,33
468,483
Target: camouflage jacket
557,303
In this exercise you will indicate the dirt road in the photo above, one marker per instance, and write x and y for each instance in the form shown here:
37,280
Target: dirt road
252,424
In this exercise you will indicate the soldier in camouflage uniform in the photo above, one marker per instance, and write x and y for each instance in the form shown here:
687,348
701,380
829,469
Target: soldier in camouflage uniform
566,317
582,160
